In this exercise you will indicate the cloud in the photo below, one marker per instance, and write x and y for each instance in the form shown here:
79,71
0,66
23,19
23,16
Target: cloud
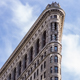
16,19
71,54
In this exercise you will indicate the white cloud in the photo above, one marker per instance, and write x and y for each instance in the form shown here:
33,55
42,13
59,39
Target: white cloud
71,53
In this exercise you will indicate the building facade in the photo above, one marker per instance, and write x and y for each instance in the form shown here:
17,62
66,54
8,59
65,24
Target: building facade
38,56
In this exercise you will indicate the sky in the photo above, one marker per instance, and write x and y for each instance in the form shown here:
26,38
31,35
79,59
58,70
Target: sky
17,17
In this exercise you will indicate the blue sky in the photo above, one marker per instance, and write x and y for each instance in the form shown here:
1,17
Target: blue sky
16,18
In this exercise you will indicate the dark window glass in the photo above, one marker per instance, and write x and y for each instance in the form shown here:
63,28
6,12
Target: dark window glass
44,39
10,77
55,37
42,57
31,54
56,69
37,47
34,75
41,77
31,78
14,78
37,72
44,74
55,59
51,59
55,16
51,26
28,72
41,67
55,48
35,65
19,67
56,78
31,69
25,61
51,49
45,64
51,69
37,62
44,54
55,26
51,37
51,78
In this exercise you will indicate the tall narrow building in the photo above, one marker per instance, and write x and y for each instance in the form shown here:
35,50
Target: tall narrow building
38,55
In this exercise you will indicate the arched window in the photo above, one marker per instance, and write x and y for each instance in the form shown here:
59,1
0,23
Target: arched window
55,59
25,61
37,47
9,76
51,59
44,38
31,54
14,73
56,69
19,67
55,48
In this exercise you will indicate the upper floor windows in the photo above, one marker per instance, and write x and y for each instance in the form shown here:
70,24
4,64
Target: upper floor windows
55,59
19,68
9,76
51,78
55,16
44,39
56,69
56,78
25,61
51,59
55,48
14,74
45,64
51,69
44,74
54,26
31,54
37,47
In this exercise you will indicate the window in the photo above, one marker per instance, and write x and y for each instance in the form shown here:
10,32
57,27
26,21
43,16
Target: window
51,49
37,72
31,69
25,62
56,69
41,77
37,62
41,67
44,74
51,69
31,54
55,26
37,47
28,72
51,37
14,74
51,59
19,67
44,54
45,64
31,78
55,37
55,48
55,59
51,26
44,39
55,16
56,78
51,78
34,75
42,57
9,76
35,65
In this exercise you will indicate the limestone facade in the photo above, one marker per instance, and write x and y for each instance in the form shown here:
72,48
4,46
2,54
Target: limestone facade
38,55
